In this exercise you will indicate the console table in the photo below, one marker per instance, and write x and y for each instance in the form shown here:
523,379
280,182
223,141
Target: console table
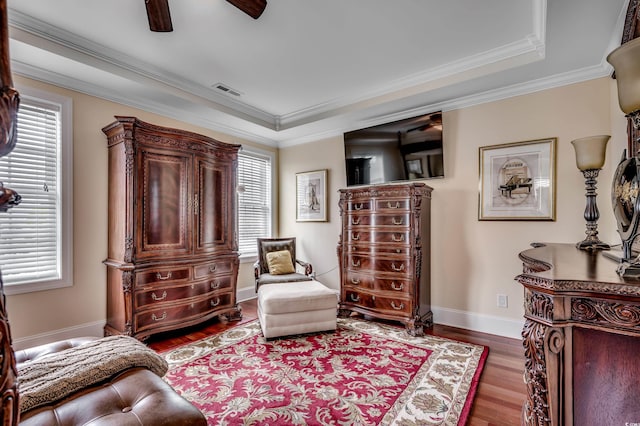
581,338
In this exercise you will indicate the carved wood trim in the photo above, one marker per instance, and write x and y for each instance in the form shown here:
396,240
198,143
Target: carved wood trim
578,286
538,305
536,407
603,312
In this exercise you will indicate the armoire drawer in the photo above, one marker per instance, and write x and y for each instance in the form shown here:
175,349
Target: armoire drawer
212,268
163,275
159,294
169,315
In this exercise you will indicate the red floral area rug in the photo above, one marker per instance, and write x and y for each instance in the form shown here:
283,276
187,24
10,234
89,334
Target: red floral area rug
364,373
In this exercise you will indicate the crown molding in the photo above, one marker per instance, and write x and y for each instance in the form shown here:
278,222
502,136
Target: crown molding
70,83
520,89
42,35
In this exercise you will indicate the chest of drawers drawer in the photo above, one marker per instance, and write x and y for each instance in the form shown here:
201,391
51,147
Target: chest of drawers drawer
372,282
399,265
385,304
378,249
399,219
358,205
378,236
392,205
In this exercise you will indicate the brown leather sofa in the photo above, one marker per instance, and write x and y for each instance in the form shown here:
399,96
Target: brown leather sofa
136,396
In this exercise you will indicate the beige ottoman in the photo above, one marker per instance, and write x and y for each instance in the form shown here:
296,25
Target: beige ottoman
295,308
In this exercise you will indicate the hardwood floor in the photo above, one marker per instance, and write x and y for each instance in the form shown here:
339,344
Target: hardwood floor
499,397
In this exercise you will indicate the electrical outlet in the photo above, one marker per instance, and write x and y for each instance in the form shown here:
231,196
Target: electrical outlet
503,301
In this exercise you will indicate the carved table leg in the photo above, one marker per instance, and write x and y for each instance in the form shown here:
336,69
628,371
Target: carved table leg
544,374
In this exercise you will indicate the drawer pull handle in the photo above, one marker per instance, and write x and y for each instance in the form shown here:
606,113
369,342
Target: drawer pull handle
358,206
215,285
355,237
355,221
161,278
396,221
391,206
397,308
355,263
396,238
397,269
162,317
354,297
397,288
154,297
212,268
355,281
215,302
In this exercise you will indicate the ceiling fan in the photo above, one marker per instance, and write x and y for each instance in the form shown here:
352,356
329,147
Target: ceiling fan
160,18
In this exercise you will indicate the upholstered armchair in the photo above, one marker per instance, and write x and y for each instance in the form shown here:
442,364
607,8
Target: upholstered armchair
273,245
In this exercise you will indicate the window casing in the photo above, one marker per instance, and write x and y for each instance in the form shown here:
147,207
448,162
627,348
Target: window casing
255,203
36,240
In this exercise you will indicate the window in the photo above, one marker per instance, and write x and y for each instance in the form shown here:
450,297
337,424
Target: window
254,200
36,236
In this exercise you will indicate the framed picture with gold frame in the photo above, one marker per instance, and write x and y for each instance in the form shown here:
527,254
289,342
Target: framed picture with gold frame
311,196
518,181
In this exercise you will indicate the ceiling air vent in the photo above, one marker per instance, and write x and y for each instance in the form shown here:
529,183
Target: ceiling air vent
226,89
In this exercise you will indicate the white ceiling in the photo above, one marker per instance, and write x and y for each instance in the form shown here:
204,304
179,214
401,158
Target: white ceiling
308,69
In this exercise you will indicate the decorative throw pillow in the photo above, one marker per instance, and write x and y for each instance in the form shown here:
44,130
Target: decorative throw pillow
279,262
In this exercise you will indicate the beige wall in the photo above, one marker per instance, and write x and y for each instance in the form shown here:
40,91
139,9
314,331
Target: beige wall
473,261
85,302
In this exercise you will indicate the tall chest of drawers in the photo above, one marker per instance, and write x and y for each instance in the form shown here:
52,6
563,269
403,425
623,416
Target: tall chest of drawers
384,253
172,258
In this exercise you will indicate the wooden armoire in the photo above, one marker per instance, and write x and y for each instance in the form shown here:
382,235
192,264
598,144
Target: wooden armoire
172,252
384,253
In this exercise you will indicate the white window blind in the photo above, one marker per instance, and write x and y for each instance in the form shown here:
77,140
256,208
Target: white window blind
254,201
29,233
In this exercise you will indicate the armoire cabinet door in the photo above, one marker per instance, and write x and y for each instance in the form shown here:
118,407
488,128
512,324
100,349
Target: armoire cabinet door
214,206
164,194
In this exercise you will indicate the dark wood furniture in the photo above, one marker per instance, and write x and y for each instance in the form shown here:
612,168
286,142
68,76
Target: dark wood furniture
581,338
172,256
384,253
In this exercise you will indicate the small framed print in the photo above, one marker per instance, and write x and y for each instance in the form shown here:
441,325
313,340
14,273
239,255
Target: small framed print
517,181
311,196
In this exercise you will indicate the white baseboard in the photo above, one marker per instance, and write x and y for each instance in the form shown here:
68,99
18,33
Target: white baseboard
245,293
478,322
88,329
451,317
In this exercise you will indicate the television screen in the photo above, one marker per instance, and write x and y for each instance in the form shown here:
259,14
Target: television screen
408,149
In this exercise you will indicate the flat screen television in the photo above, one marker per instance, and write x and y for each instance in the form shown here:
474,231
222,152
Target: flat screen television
409,149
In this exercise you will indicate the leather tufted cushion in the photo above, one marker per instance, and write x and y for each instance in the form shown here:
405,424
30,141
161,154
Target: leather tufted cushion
35,352
134,397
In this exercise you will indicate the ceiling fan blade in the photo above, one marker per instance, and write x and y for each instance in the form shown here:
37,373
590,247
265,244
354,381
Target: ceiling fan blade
159,16
253,8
